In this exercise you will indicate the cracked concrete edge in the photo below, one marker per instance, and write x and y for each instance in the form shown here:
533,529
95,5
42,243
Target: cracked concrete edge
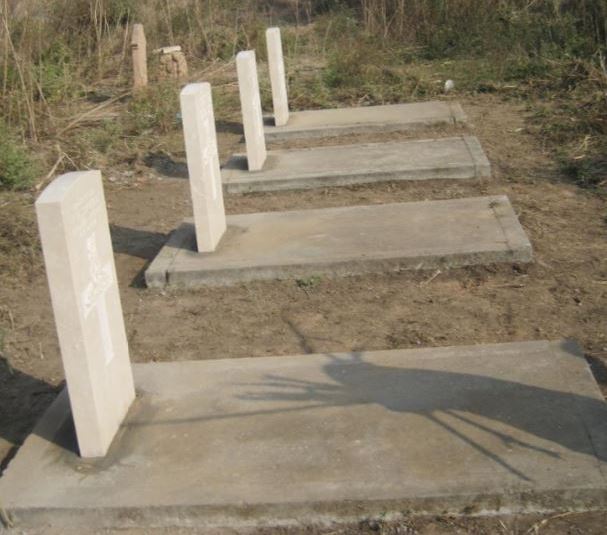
243,516
156,275
481,162
343,268
515,235
463,172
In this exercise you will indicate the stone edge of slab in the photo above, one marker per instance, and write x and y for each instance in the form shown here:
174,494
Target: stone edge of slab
240,181
156,272
167,273
286,133
314,513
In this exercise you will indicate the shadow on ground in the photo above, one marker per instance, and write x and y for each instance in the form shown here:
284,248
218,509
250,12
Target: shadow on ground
143,244
229,127
450,400
23,399
165,165
462,404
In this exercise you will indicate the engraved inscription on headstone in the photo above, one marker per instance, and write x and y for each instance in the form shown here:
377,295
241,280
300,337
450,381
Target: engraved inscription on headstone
250,102
203,165
94,295
278,79
82,280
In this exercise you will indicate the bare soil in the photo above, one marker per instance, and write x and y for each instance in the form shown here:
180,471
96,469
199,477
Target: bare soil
562,294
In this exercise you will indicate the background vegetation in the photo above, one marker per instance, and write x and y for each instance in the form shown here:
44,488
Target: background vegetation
65,68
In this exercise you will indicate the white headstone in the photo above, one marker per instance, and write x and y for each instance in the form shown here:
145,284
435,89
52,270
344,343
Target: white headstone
250,103
278,79
77,248
203,165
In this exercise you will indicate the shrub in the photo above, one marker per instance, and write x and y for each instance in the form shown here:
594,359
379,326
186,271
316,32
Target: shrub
17,169
155,108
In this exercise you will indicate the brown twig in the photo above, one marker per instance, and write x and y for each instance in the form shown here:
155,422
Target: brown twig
84,115
52,171
542,523
429,280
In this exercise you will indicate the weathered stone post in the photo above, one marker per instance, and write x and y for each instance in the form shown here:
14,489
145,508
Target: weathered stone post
173,64
140,60
203,165
278,78
250,103
77,249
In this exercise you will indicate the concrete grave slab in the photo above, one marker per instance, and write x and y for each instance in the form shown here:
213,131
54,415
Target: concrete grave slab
281,440
346,241
446,158
312,124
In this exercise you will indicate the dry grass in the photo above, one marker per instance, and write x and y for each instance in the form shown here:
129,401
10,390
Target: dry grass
65,68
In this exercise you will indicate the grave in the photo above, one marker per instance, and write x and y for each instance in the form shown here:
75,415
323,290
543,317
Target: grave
80,269
346,241
261,170
333,122
285,125
453,158
253,442
217,250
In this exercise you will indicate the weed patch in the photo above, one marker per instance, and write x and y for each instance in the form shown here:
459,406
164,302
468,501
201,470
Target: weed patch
17,168
155,108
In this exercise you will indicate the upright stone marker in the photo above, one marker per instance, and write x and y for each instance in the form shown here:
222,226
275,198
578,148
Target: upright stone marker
278,78
203,165
250,103
140,60
88,315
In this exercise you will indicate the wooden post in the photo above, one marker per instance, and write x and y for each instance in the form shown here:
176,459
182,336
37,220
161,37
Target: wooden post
140,60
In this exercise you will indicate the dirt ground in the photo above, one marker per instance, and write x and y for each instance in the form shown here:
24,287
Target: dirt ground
562,294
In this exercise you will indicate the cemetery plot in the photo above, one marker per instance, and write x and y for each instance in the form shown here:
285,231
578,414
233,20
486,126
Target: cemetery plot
335,122
260,170
311,124
446,158
229,443
346,241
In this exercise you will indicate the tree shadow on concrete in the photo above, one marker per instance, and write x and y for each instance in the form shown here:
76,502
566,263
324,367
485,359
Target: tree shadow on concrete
461,404
139,243
451,401
23,399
